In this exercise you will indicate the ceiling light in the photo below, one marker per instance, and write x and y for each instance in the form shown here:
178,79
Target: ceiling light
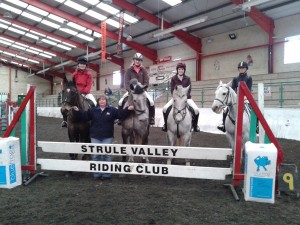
7,15
129,38
209,40
172,2
246,6
64,24
40,40
181,26
232,36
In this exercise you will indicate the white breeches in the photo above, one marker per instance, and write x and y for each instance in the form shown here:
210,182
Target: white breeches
190,102
146,93
92,98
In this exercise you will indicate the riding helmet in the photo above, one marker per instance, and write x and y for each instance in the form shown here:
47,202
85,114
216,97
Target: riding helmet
243,65
82,60
138,56
181,65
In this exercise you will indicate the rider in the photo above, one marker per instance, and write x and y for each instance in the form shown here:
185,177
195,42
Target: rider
181,79
84,81
242,68
137,71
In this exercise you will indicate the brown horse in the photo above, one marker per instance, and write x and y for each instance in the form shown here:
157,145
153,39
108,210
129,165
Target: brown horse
78,131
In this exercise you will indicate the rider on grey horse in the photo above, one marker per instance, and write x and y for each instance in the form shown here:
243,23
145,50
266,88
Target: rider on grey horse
181,79
137,71
242,67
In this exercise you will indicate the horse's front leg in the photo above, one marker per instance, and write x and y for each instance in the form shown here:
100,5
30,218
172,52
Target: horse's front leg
72,138
144,141
186,141
172,142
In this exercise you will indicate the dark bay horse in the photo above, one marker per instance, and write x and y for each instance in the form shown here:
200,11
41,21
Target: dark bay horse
135,126
78,131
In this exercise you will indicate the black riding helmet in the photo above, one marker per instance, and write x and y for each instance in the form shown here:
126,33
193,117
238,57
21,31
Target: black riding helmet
243,65
82,60
180,65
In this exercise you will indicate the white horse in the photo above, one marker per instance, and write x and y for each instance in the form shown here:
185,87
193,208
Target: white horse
179,121
226,97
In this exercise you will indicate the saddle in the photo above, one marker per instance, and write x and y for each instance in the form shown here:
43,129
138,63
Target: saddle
89,102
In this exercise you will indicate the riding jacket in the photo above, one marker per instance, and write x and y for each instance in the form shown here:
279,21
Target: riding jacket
102,121
185,82
142,76
84,80
241,77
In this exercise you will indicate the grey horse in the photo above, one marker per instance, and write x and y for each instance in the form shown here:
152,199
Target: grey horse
179,121
135,126
225,96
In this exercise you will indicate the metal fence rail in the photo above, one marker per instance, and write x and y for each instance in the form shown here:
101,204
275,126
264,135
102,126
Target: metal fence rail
277,95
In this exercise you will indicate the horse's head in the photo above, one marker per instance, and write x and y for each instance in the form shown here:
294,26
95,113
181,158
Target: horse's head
223,97
69,94
136,87
180,96
138,98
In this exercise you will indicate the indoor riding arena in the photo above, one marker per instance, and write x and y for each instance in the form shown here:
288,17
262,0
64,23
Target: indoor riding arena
210,92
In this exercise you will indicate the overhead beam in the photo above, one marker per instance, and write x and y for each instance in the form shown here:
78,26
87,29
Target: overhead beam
188,39
147,52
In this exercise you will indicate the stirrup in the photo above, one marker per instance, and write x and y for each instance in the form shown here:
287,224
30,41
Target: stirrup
221,128
64,124
152,121
164,128
197,129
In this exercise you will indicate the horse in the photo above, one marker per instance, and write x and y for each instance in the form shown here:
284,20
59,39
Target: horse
225,96
135,126
179,122
78,131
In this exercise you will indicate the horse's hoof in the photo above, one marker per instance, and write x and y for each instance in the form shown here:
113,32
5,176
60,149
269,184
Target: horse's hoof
188,163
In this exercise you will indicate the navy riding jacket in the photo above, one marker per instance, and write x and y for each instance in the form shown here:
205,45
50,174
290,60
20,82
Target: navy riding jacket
239,78
102,122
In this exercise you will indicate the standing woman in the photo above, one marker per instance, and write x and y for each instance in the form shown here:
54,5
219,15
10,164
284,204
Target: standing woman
102,119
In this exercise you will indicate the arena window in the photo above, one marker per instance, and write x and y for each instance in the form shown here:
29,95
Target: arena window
291,50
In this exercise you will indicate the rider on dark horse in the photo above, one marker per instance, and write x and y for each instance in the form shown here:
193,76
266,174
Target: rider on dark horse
84,81
137,71
181,79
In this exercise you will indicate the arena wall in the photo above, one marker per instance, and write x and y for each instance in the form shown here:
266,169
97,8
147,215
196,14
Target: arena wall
282,122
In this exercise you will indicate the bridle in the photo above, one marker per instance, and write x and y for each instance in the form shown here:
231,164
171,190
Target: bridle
225,103
70,100
182,112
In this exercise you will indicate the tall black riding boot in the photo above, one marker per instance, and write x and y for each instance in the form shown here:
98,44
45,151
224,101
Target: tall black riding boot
165,128
152,115
221,127
65,118
195,123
